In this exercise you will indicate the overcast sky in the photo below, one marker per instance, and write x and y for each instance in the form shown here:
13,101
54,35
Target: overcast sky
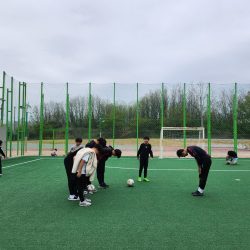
127,41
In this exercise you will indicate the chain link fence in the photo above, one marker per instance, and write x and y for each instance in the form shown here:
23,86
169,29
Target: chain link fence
40,117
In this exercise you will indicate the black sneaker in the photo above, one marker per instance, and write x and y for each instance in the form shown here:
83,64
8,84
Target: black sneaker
102,186
106,185
197,193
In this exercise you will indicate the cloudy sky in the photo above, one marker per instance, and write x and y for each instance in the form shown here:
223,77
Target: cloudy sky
127,41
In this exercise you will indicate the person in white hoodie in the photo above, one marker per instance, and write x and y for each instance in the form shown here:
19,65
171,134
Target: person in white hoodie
85,164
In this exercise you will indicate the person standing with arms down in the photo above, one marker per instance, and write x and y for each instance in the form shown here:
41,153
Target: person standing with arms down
143,154
204,163
1,154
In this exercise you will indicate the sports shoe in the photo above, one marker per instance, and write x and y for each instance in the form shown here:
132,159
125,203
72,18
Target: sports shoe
73,198
84,203
90,192
197,193
146,179
139,179
104,186
88,200
1,174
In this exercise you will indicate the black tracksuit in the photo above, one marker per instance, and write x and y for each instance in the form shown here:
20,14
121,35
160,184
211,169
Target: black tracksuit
3,154
204,162
68,163
144,151
101,165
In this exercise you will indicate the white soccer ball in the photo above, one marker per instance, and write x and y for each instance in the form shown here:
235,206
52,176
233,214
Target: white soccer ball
91,187
130,182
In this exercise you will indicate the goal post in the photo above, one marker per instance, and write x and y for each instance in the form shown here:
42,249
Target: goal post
170,136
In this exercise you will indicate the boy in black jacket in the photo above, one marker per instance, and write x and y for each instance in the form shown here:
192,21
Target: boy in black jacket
143,153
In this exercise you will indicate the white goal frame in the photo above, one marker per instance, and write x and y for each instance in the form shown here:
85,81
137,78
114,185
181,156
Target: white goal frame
200,129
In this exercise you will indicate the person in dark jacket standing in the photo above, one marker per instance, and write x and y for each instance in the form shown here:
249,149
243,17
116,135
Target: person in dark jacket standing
68,163
143,154
204,163
1,154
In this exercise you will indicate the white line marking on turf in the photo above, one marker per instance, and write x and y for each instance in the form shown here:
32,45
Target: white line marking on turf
183,169
21,163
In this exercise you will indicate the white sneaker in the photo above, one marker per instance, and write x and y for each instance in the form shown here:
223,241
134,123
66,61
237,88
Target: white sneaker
84,203
73,198
88,200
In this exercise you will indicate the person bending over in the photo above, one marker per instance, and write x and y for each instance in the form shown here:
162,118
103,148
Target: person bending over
108,152
68,163
85,164
204,163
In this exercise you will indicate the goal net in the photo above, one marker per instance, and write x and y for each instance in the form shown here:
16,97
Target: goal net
172,138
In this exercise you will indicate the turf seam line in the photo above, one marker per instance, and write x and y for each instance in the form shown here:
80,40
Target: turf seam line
183,169
21,163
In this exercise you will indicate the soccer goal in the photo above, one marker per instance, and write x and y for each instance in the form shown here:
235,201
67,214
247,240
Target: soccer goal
171,138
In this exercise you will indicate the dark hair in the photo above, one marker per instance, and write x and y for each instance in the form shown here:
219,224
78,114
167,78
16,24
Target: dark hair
118,153
78,139
55,149
1,142
179,152
98,147
146,138
102,141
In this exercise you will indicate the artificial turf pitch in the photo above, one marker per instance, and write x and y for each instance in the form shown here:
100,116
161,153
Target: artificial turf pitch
162,214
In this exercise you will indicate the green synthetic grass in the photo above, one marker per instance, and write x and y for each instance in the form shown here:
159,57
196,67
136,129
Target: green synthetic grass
35,212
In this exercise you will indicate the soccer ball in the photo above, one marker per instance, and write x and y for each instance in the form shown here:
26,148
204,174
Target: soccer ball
130,182
91,187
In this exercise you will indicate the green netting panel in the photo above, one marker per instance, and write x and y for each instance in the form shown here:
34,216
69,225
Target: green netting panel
78,111
196,108
150,114
125,125
243,121
54,116
33,104
173,117
102,111
222,118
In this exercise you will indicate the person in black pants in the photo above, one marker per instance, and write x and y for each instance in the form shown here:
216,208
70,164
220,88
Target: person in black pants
105,153
68,163
3,154
204,163
143,154
109,151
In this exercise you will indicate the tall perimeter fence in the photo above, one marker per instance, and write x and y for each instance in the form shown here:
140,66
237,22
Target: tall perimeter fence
38,117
